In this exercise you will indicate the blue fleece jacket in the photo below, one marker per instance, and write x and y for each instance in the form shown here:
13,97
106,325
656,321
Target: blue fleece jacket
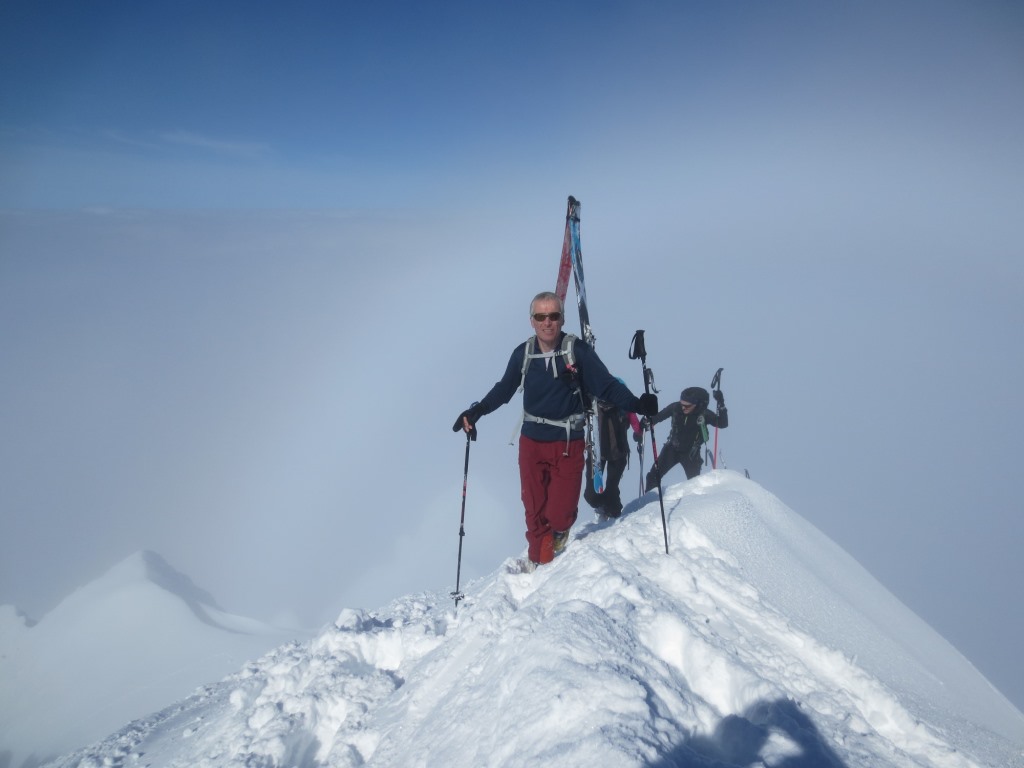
554,397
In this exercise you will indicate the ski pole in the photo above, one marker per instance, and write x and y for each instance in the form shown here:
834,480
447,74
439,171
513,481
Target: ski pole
640,450
457,594
716,383
637,350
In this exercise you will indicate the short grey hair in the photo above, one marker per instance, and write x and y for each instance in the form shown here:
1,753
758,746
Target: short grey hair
548,296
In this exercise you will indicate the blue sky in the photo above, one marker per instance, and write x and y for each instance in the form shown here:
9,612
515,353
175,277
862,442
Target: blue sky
342,104
218,221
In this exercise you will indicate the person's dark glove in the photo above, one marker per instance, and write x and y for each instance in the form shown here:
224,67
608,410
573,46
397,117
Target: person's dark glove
471,414
637,436
648,404
571,377
719,398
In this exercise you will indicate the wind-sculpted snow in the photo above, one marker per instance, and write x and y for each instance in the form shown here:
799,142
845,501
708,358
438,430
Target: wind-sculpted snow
755,641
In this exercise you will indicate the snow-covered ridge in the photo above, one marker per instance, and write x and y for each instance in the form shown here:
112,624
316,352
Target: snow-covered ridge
756,639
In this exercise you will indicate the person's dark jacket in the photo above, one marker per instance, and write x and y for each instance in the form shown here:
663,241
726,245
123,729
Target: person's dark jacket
686,434
556,397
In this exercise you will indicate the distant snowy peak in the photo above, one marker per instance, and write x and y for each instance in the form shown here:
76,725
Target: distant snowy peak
121,589
157,570
140,635
148,566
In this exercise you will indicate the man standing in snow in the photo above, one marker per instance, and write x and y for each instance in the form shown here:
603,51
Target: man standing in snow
558,373
690,417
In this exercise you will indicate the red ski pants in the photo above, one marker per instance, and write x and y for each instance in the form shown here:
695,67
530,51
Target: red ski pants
551,475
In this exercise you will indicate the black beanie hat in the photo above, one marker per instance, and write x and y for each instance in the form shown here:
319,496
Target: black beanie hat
696,395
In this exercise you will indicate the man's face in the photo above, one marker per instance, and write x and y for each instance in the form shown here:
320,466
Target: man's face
546,319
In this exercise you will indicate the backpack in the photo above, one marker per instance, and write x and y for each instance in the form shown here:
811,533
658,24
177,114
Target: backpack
566,352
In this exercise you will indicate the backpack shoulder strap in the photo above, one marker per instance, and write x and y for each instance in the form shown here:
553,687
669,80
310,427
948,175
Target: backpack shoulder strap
527,346
569,349
566,351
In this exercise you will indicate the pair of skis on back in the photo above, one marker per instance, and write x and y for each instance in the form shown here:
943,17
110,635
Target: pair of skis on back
571,264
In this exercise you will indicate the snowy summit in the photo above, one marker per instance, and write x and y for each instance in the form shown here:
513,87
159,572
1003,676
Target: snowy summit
755,641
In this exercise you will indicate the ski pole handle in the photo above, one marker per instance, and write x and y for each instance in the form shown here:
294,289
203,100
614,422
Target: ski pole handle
637,350
649,381
716,380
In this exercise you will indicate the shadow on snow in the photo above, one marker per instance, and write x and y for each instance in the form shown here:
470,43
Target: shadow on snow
739,740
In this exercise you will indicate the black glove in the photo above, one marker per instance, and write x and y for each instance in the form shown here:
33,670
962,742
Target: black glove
637,437
719,398
648,405
571,377
471,415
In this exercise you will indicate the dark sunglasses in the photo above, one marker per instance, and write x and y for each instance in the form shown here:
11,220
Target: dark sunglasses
540,317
